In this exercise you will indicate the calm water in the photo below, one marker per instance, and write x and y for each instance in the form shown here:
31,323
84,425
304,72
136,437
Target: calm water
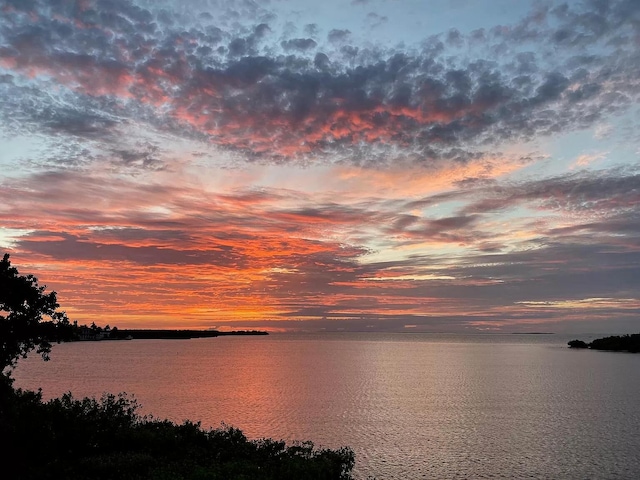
410,405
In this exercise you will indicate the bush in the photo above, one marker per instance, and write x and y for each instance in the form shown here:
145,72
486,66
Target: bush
107,439
628,343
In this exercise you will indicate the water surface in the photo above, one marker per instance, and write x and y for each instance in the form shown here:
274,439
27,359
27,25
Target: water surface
410,405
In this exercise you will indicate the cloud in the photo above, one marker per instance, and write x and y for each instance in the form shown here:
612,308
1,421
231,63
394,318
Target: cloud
594,192
282,254
298,44
587,159
603,131
338,35
374,20
234,166
238,90
145,156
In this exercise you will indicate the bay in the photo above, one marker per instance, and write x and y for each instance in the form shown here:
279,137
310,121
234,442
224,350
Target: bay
410,405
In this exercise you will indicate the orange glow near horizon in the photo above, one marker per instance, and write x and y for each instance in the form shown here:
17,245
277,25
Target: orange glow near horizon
182,257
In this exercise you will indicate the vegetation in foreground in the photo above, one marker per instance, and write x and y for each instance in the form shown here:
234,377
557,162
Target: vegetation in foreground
67,438
616,343
107,439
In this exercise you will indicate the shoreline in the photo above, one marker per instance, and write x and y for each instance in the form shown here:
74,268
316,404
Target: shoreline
161,334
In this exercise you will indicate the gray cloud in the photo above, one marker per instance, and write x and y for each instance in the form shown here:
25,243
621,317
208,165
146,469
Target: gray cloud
607,192
338,35
144,157
74,248
301,44
232,87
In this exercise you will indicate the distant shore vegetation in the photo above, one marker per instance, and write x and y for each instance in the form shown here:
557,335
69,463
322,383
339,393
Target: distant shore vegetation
94,332
616,343
89,439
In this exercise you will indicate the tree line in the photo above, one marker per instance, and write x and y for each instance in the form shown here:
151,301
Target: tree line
615,343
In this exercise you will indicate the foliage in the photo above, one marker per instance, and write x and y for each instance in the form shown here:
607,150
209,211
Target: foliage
23,309
617,343
627,343
103,439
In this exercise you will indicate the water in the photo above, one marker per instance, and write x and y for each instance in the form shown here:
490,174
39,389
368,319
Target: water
410,405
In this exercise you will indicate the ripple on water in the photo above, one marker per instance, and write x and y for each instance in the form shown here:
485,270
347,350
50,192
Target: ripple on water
409,406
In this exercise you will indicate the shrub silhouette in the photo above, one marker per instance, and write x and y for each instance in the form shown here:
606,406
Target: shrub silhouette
107,438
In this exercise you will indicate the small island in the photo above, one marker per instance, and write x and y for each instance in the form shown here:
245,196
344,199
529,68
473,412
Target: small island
616,343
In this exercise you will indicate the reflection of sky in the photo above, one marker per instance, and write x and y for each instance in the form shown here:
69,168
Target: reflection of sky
345,164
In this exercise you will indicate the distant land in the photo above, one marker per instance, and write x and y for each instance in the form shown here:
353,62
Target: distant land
182,334
96,333
616,343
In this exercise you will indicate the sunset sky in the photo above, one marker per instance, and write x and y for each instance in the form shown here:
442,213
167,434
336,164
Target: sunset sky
373,165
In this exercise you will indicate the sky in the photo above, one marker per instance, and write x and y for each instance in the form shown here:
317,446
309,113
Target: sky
366,165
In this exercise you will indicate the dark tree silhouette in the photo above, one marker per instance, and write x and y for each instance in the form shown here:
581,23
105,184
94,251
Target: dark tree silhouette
29,318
